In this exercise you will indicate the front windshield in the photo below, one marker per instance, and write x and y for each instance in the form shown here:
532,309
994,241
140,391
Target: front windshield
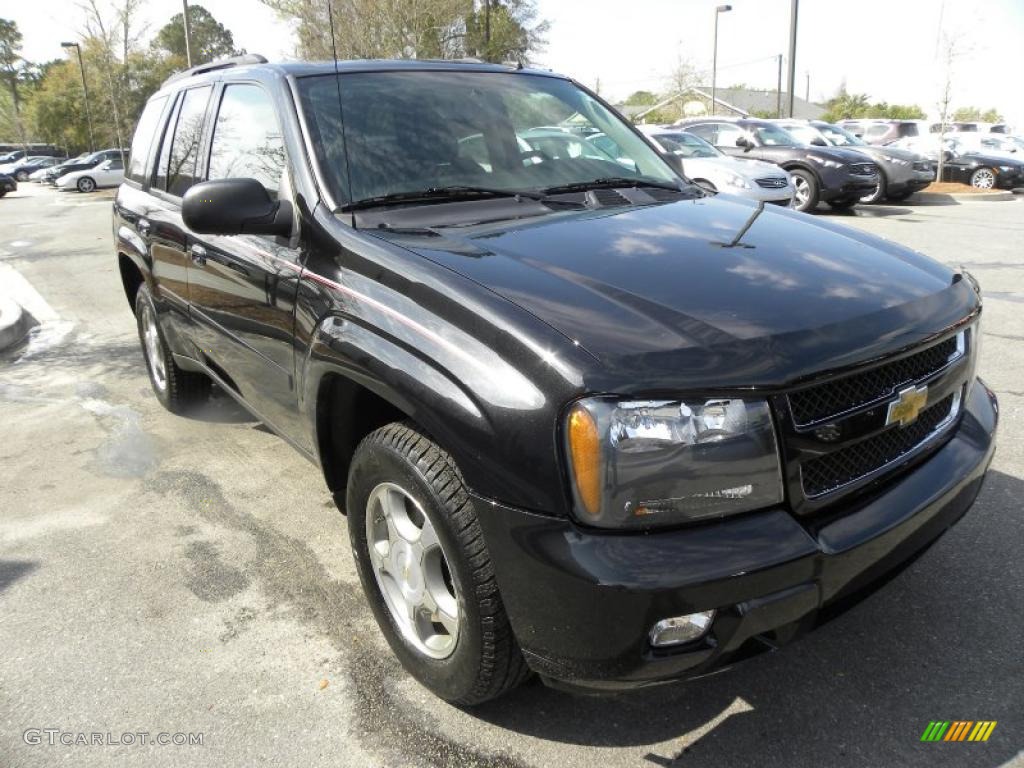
685,145
840,137
804,133
408,132
773,136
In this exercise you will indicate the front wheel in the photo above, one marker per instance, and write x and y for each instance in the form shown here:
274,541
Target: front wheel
805,195
983,178
176,389
21,175
879,193
425,568
85,184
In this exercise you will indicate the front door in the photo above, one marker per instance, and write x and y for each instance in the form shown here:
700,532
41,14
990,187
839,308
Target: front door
242,289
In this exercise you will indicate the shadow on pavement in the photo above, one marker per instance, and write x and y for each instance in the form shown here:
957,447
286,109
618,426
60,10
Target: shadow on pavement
941,641
12,570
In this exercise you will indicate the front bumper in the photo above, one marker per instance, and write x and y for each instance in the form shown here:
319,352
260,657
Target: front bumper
582,602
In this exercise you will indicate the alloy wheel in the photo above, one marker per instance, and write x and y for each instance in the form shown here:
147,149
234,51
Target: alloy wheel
154,352
86,185
802,191
412,570
983,178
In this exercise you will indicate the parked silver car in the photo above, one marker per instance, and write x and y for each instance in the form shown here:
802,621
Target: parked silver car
714,170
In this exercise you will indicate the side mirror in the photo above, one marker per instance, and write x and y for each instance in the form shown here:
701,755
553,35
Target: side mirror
675,162
235,207
859,135
741,141
817,141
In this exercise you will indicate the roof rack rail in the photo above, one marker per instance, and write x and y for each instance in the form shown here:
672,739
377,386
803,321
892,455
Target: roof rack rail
234,61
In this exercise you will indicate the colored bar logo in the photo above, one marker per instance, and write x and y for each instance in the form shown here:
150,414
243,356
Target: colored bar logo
958,730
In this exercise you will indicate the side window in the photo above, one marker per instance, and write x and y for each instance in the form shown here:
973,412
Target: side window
160,174
188,130
705,130
247,140
115,164
727,135
143,139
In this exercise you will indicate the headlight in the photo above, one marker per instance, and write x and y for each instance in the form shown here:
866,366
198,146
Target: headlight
1005,168
735,180
899,161
826,163
636,464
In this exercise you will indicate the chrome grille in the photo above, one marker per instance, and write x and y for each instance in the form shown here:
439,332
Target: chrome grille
773,182
863,169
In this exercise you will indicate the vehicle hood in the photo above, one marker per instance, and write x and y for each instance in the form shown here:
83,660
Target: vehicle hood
747,167
715,291
886,153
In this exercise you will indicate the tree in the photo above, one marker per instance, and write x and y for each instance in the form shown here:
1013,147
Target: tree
12,68
845,105
209,38
497,30
951,51
642,99
973,115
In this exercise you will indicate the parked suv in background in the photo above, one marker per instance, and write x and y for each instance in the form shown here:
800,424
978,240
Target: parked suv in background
884,131
835,176
584,418
965,165
901,173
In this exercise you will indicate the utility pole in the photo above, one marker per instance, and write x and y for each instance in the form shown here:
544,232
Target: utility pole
188,34
807,93
85,90
714,57
778,90
794,8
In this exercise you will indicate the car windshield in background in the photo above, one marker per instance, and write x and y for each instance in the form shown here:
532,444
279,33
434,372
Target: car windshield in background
841,137
773,136
686,145
412,132
805,134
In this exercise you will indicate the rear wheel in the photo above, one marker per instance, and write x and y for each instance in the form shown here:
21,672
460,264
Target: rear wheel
805,196
85,184
21,175
425,568
176,389
983,178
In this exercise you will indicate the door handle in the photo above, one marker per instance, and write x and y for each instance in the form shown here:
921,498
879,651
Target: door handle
144,227
198,255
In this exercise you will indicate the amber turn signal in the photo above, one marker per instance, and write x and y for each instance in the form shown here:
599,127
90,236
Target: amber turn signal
585,452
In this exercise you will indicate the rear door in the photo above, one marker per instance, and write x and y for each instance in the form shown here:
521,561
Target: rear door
242,289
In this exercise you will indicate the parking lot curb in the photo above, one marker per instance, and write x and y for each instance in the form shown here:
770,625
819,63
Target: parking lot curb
974,197
14,323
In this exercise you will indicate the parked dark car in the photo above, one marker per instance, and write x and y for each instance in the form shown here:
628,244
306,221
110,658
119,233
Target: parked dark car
81,165
584,418
7,184
885,131
23,169
820,173
969,166
901,172
12,152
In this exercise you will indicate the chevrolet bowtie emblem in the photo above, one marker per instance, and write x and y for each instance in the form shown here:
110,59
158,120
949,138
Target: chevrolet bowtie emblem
906,408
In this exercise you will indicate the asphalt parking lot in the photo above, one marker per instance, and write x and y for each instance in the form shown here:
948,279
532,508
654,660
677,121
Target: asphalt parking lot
161,574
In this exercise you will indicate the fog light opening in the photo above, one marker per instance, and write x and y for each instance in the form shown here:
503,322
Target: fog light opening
681,629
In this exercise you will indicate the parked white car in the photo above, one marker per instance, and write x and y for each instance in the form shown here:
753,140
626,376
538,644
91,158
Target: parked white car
714,170
996,144
109,173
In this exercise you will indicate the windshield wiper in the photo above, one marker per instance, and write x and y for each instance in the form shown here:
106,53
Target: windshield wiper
610,182
440,195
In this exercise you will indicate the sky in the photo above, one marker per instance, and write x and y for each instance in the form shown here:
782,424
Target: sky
888,49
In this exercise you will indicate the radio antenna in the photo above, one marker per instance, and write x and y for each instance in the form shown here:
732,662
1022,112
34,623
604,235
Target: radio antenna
341,111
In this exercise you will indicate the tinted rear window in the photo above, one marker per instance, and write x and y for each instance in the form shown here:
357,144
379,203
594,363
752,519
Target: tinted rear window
143,140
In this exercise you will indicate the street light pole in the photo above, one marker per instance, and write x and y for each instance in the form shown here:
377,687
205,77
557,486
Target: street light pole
778,91
188,35
714,57
794,7
85,90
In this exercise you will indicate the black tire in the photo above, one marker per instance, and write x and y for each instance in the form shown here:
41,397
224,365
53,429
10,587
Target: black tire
86,184
3,192
880,192
486,661
21,176
810,202
843,204
181,390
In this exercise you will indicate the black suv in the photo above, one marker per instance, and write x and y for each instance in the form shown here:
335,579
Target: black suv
584,418
820,173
